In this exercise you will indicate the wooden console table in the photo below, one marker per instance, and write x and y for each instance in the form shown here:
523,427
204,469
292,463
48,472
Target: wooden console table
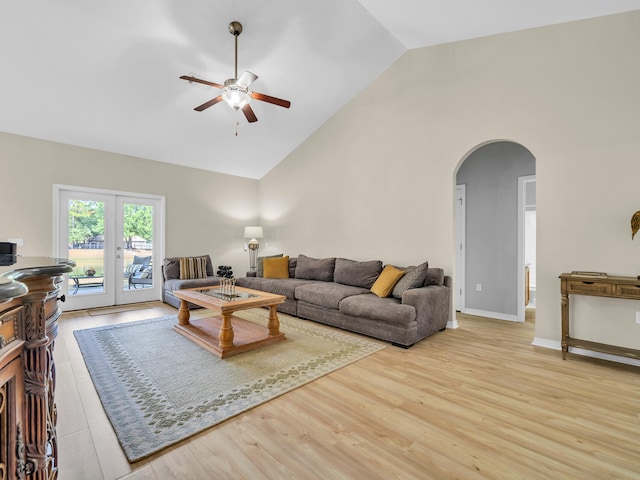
596,286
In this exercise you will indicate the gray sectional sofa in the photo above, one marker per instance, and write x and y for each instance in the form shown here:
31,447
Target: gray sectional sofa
337,292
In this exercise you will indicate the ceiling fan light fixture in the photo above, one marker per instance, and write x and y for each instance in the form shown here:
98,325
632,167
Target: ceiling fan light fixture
235,95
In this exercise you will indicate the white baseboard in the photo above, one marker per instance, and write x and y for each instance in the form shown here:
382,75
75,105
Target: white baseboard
452,324
556,345
496,315
546,343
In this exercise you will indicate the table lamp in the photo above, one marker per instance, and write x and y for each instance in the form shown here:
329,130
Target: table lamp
253,233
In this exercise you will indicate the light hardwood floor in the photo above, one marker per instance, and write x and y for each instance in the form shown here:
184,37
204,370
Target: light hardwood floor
475,402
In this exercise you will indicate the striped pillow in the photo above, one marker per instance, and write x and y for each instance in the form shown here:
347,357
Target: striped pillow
133,268
193,267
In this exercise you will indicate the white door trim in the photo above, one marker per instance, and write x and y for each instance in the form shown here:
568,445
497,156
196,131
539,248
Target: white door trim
460,236
522,204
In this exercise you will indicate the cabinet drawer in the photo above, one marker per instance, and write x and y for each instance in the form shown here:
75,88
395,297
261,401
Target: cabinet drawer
629,291
589,287
51,305
9,326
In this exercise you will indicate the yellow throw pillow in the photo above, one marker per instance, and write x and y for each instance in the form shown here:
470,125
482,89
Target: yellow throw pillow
276,267
383,286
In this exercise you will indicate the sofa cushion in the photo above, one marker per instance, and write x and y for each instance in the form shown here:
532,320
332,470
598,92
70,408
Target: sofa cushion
177,284
326,294
193,267
282,286
413,278
255,283
260,264
285,286
383,286
171,267
276,267
357,274
310,268
388,310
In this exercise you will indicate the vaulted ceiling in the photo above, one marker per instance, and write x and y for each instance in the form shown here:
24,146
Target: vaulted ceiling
105,75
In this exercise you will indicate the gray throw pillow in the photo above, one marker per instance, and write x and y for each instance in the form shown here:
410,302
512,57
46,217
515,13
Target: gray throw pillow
260,264
311,268
171,268
357,274
293,262
414,278
435,276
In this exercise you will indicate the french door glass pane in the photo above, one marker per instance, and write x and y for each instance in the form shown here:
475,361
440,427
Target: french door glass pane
86,246
137,246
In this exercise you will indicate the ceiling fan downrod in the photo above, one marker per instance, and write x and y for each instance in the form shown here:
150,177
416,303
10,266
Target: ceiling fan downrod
235,29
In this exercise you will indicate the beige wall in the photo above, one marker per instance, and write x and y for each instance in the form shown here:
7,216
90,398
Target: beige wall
205,211
377,180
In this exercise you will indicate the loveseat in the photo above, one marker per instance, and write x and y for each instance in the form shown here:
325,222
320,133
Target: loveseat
338,292
172,281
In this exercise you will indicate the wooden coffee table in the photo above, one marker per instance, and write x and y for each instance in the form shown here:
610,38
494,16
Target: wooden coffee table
223,333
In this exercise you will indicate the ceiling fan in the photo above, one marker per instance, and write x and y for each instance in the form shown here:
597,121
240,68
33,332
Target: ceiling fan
235,91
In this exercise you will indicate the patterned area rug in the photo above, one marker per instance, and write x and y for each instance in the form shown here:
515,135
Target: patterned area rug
158,388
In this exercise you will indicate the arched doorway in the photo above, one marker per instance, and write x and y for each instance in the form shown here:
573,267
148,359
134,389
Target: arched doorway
493,249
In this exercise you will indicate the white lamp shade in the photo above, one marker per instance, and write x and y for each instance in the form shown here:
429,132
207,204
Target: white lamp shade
253,232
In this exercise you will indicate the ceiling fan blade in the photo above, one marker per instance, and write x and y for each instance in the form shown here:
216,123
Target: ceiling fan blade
208,104
268,99
246,79
204,82
248,112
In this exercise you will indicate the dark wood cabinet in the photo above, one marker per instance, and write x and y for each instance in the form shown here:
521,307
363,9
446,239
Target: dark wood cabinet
11,393
28,329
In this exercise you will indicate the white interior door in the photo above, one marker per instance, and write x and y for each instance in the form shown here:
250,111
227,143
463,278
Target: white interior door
105,233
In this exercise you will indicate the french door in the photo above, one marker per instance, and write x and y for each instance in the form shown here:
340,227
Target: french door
116,240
